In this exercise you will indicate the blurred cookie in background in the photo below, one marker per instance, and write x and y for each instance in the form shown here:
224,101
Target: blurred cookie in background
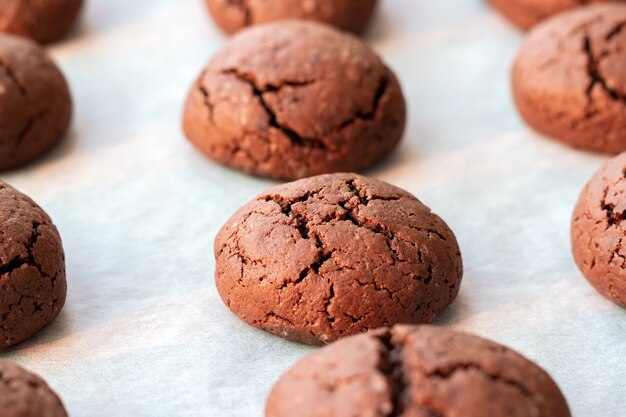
35,104
44,21
569,78
527,13
350,15
24,394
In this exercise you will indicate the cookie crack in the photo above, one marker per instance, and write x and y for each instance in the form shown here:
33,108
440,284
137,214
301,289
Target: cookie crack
206,95
19,261
612,217
273,122
615,31
11,75
278,317
13,264
450,371
381,91
30,247
351,214
329,316
596,77
301,224
26,129
391,364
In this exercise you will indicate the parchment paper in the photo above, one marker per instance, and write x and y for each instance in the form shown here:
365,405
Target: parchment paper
144,332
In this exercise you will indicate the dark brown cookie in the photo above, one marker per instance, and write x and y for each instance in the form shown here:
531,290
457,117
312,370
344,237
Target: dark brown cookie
527,13
351,15
417,371
41,20
32,268
599,230
334,255
35,104
294,99
569,79
23,394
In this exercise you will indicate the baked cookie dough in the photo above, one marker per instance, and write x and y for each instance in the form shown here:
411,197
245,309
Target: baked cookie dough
419,371
23,394
334,255
351,15
32,268
599,230
569,78
527,13
35,103
295,99
41,20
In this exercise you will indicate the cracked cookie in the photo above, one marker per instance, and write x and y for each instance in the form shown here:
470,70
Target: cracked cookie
334,255
35,102
527,13
419,371
599,230
569,78
32,268
24,394
43,21
351,15
295,99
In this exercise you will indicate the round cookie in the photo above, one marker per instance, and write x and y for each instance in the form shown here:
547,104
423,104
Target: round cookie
41,20
569,78
419,371
527,13
23,394
334,255
599,230
295,99
35,104
351,15
32,268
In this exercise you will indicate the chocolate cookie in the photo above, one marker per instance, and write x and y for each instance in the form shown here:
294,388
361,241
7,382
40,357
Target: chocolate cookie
334,255
23,394
32,268
599,230
419,371
352,15
527,13
35,104
41,20
294,99
569,79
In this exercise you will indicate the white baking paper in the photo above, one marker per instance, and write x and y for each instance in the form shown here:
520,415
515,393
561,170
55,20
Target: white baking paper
144,332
